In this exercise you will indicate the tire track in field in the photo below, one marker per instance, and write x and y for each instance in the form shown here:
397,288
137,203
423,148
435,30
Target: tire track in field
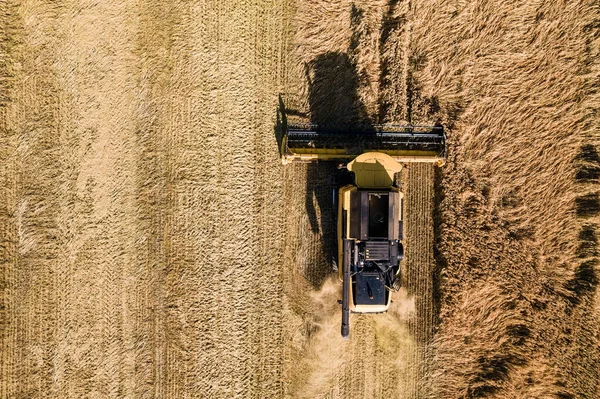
420,267
72,219
210,226
154,308
224,248
31,115
10,32
270,57
98,132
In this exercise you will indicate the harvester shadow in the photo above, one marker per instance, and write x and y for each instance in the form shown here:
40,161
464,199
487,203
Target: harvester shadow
280,125
333,103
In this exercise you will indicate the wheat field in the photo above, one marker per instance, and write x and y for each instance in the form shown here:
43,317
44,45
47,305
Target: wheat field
153,245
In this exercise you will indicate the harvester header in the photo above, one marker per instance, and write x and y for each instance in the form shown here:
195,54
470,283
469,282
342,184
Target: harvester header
404,143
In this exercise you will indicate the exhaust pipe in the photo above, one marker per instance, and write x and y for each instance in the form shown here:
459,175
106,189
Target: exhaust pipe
346,288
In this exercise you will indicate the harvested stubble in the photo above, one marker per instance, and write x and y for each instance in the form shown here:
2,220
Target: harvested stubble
141,199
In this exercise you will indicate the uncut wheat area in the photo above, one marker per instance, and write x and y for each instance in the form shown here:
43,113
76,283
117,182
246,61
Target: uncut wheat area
153,245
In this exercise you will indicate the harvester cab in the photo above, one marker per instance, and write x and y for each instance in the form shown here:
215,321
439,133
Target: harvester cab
369,202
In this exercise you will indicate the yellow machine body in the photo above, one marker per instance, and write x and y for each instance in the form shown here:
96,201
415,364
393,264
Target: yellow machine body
374,175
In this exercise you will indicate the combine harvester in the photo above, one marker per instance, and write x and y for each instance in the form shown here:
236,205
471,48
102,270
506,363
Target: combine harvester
370,205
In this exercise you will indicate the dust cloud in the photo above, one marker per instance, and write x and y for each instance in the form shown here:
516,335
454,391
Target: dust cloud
327,362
